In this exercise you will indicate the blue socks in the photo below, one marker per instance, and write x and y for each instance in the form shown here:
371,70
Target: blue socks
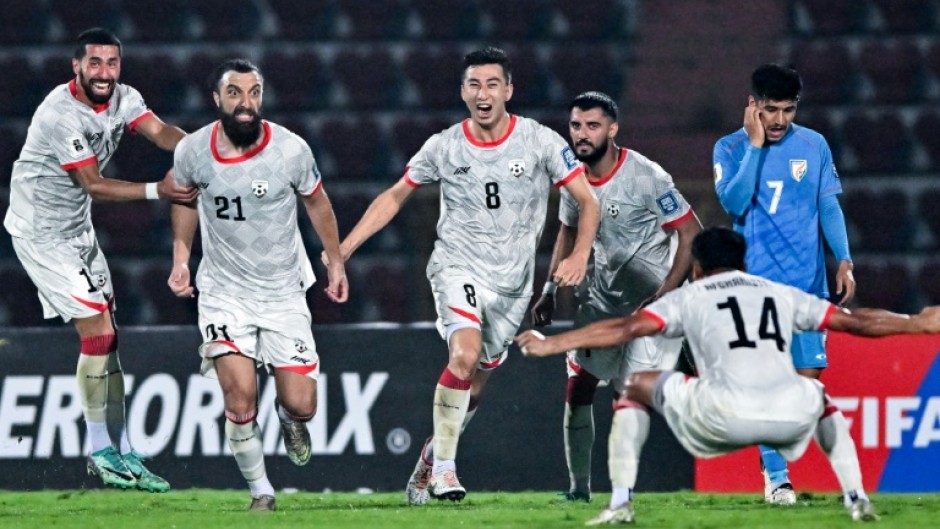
775,466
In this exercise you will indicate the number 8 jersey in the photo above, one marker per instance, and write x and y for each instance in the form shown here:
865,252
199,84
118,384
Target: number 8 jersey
248,212
739,327
494,199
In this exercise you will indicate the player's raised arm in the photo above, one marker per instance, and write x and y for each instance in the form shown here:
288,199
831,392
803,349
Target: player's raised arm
320,211
571,270
380,212
159,133
604,333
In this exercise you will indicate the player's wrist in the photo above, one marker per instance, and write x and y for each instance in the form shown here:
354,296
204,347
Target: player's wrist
550,288
151,192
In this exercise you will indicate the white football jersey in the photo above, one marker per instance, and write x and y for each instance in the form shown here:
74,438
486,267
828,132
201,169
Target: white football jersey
251,242
494,199
632,253
740,328
66,134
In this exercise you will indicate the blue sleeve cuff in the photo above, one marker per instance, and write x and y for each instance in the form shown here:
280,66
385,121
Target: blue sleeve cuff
832,221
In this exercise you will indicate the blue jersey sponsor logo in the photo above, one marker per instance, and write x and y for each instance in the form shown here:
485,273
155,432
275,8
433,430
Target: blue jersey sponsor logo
568,156
668,203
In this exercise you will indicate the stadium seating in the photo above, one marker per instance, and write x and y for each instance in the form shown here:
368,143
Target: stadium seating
165,94
449,20
928,209
907,16
435,73
835,17
75,17
887,286
518,20
297,81
926,132
880,143
827,72
24,23
375,20
371,79
18,297
928,281
881,217
895,69
221,21
174,18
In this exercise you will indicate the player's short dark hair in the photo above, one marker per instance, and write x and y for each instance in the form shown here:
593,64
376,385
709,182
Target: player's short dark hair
231,65
589,100
489,55
715,248
99,36
776,82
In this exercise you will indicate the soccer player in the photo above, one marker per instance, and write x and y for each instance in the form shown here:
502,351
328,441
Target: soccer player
632,265
71,138
778,182
739,327
495,171
254,271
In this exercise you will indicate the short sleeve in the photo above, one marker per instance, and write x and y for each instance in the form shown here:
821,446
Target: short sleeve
133,108
568,211
423,168
667,310
558,157
664,199
182,168
306,179
69,144
810,313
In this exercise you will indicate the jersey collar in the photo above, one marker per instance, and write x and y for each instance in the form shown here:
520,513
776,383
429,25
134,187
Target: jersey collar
622,157
488,144
218,157
73,89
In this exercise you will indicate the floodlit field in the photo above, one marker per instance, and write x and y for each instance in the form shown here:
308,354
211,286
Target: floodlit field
212,509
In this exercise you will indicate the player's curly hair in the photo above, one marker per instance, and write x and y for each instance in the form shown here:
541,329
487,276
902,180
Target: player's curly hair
776,82
98,36
717,247
593,99
489,55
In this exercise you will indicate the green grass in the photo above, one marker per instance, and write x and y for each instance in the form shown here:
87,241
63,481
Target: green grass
213,509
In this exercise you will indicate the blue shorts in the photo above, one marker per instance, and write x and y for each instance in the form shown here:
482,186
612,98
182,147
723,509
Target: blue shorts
809,350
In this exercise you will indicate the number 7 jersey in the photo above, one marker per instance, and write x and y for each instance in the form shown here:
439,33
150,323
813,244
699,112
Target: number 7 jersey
248,212
494,199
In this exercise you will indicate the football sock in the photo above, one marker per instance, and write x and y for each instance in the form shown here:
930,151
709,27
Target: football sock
620,495
775,466
451,400
628,433
92,376
579,442
428,454
836,442
117,423
245,442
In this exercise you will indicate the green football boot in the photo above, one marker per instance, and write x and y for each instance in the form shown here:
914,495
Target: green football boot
146,480
108,465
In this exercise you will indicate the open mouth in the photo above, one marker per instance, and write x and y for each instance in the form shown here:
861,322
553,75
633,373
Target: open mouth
101,86
485,111
244,116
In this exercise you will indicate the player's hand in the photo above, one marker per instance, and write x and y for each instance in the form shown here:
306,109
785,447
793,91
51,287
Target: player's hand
845,282
752,124
179,281
534,343
168,188
929,318
343,252
570,272
543,310
338,289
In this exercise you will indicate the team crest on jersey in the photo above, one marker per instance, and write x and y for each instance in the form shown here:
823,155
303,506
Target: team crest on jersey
613,210
300,345
517,167
259,187
668,203
798,169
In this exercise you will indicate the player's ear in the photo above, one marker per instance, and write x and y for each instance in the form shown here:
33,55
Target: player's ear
217,98
614,128
76,66
508,91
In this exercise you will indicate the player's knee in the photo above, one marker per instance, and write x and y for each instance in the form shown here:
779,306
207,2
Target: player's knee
580,390
241,415
99,345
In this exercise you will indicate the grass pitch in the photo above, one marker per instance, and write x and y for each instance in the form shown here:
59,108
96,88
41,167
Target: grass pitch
213,509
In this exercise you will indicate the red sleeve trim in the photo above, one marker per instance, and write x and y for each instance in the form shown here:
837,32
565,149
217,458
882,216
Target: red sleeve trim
407,178
673,223
579,170
825,322
133,124
655,317
315,189
81,163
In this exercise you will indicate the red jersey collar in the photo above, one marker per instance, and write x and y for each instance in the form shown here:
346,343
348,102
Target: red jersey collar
620,159
215,151
488,144
97,108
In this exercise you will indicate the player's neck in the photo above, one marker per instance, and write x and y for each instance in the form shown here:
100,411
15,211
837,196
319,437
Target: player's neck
602,168
490,133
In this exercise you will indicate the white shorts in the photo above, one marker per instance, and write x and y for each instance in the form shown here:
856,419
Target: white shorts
275,334
71,275
698,413
462,302
651,353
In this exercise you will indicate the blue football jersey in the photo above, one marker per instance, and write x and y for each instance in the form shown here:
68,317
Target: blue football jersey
781,223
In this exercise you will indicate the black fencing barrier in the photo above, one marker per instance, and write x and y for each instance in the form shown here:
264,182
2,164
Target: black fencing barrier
376,386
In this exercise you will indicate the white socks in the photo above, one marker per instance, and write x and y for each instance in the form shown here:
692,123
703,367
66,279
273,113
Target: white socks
628,433
92,376
834,439
451,400
245,442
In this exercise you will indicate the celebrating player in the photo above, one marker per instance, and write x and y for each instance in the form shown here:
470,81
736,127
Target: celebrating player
632,265
495,170
254,271
740,328
778,182
73,135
